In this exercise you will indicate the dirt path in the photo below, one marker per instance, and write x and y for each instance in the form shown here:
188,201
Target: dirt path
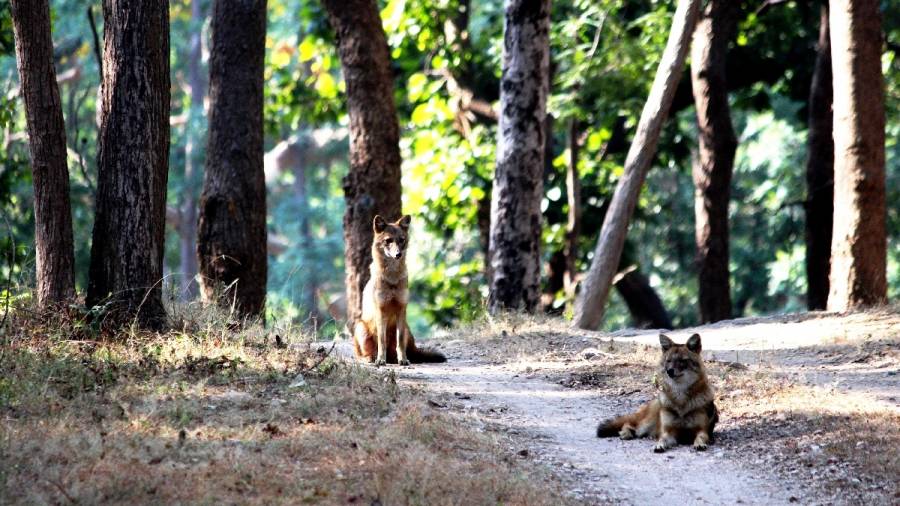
556,426
548,394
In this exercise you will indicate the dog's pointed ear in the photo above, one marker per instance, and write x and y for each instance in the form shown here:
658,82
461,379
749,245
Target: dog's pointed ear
665,342
404,222
693,343
379,224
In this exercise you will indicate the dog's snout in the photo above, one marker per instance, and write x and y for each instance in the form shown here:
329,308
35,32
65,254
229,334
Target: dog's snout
670,372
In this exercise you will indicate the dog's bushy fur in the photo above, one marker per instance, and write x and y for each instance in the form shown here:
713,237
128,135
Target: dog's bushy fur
382,334
683,412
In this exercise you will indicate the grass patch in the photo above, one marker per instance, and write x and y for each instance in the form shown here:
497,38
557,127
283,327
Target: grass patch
209,414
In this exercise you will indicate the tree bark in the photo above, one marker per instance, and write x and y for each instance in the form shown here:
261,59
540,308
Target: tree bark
127,249
591,303
518,177
715,161
231,241
373,184
54,249
573,223
187,233
859,242
646,308
819,174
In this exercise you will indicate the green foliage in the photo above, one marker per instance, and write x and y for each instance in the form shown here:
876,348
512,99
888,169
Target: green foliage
604,55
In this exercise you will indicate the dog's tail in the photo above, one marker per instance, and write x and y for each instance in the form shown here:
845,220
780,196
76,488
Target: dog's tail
611,427
418,355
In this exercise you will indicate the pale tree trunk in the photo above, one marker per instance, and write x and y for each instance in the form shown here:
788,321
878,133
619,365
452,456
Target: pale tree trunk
819,174
518,178
231,239
187,231
715,159
47,140
591,302
310,291
573,223
129,228
859,241
373,184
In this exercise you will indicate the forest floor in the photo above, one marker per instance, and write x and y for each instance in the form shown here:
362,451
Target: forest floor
810,407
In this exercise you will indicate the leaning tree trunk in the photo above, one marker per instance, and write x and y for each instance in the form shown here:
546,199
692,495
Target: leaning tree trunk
819,174
55,257
187,230
591,302
518,179
231,237
373,184
859,242
127,249
715,161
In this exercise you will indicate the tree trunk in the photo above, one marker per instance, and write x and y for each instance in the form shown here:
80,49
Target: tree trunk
591,303
373,184
309,300
573,224
859,242
819,174
713,167
518,178
231,242
55,258
187,232
646,308
127,249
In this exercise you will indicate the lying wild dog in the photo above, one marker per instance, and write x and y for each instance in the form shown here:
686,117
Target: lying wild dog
683,412
382,334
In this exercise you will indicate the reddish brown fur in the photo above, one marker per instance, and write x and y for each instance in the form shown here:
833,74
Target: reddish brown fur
683,411
382,334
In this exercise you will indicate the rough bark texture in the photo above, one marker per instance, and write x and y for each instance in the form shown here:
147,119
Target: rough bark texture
187,232
231,241
646,308
47,141
373,184
715,157
819,174
127,249
591,302
859,242
518,177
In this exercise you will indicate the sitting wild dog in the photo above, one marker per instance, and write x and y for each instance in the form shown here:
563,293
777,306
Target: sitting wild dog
382,334
683,412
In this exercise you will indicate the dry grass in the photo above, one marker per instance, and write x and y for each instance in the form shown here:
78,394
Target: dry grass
208,415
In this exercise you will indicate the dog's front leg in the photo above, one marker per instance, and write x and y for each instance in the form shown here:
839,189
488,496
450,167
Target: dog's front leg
402,338
381,339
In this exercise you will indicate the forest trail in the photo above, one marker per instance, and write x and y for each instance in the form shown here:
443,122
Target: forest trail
550,388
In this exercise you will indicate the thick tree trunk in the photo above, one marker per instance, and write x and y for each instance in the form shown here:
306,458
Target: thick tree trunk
646,308
591,302
713,168
859,242
187,232
518,177
231,241
373,183
127,249
47,141
819,174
